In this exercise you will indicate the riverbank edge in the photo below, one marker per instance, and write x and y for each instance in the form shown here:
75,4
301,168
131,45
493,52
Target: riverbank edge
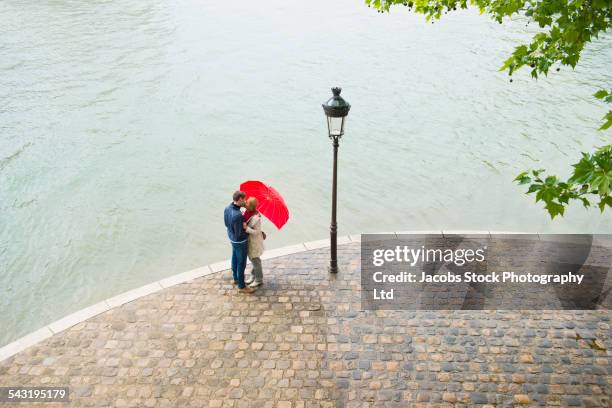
89,312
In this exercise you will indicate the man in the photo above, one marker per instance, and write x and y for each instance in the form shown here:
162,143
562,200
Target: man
238,238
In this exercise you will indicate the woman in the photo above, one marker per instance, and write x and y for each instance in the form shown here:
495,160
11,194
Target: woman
252,219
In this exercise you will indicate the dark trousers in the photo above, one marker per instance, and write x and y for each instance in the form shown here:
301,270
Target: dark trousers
239,258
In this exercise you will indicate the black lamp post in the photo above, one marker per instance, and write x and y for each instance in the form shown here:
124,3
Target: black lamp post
336,109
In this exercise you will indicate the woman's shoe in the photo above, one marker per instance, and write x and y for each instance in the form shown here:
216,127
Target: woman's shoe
249,280
255,284
246,290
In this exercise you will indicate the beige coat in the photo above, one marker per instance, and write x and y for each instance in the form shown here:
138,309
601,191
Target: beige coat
256,241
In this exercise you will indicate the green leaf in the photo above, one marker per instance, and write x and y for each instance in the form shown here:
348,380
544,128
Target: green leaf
550,180
507,63
604,184
533,188
608,121
554,209
602,93
522,178
584,171
606,201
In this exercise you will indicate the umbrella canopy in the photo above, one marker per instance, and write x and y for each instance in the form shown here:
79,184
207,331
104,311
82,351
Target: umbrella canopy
270,203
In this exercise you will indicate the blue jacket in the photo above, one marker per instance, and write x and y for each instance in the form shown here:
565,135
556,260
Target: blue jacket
233,221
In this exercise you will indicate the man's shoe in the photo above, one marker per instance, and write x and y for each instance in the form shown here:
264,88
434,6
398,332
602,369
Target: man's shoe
246,290
255,284
234,283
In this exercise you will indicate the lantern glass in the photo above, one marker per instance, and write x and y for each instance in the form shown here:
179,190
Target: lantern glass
335,125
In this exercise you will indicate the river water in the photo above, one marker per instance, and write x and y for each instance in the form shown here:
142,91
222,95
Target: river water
126,125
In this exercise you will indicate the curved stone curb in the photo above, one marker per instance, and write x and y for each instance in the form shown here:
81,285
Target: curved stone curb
91,311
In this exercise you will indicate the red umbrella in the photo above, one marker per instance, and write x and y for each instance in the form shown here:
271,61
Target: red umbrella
270,202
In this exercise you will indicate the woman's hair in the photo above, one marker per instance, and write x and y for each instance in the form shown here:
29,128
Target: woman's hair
251,204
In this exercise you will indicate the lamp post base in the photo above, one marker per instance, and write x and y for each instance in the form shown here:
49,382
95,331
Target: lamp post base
332,269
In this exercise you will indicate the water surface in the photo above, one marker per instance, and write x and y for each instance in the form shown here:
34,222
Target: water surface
125,126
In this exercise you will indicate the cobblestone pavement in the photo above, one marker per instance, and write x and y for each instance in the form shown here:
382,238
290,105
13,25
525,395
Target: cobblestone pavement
302,341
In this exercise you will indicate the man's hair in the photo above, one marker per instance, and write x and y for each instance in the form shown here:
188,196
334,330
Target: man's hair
238,195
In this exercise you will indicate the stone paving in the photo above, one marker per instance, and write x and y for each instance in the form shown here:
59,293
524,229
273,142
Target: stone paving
302,341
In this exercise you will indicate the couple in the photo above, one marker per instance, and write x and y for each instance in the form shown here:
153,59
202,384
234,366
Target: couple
245,234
